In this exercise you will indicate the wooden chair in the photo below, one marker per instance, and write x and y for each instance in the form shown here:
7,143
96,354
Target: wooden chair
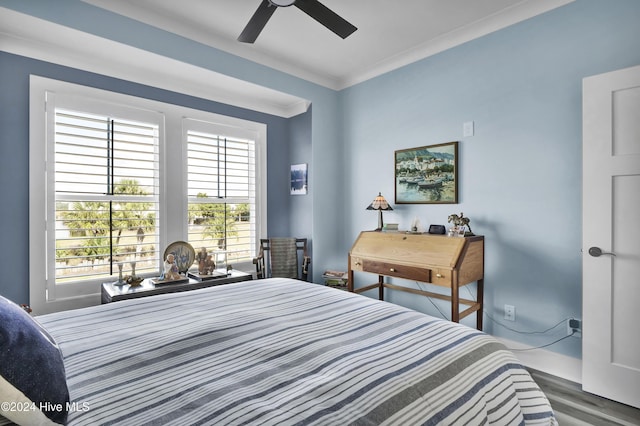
282,259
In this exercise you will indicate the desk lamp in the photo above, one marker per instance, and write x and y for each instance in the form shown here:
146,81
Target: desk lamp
379,203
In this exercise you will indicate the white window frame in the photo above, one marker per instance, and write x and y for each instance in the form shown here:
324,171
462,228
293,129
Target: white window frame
45,296
231,132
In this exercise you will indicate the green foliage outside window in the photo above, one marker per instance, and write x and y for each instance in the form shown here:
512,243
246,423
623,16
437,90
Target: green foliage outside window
91,223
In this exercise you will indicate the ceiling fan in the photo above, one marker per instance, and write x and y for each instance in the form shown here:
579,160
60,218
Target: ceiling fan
313,8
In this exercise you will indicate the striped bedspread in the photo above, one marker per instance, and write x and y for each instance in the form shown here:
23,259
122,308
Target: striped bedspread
284,352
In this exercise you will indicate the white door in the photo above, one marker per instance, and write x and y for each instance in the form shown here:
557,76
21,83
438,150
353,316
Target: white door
611,225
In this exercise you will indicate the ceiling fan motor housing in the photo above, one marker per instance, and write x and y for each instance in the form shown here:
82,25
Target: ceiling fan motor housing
282,3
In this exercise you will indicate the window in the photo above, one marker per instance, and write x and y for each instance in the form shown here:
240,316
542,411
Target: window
106,195
221,192
114,193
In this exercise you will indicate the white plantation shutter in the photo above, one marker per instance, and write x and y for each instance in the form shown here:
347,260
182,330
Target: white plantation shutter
114,180
221,187
106,190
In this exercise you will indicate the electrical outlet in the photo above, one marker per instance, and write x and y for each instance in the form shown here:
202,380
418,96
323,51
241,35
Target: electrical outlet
574,326
509,312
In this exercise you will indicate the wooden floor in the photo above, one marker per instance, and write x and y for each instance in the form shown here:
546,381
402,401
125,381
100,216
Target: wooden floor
573,407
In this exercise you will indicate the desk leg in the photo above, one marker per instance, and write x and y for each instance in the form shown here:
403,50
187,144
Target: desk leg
455,299
480,297
380,287
350,285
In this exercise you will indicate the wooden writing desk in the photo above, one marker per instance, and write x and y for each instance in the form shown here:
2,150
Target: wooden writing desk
436,259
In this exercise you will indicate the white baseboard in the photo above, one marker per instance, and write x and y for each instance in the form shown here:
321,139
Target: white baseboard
546,361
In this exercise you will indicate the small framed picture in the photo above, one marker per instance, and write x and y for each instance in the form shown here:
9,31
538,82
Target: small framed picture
427,175
298,179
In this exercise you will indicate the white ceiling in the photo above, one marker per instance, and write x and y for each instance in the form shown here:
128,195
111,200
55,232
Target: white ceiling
390,33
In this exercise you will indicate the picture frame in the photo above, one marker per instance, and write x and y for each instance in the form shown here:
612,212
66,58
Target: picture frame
427,174
299,182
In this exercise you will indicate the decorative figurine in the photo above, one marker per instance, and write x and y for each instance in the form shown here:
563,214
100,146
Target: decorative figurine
415,225
133,280
201,257
461,222
208,265
170,269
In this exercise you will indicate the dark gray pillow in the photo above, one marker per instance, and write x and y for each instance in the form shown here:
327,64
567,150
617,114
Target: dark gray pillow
33,386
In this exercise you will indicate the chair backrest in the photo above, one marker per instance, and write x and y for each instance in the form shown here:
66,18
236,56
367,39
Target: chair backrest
282,257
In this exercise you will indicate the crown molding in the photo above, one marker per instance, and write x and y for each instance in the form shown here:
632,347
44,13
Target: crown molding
36,38
517,13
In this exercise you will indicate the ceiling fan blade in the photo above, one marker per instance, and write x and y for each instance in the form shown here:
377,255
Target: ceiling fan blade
257,22
326,17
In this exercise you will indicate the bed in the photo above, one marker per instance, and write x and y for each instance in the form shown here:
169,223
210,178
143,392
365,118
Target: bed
285,352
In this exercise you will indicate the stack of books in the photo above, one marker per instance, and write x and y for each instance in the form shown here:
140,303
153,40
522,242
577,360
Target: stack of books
335,279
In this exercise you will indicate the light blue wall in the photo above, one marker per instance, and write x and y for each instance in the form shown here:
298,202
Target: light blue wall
300,148
520,175
291,215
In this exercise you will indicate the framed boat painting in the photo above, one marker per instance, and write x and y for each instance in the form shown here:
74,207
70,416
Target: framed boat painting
427,175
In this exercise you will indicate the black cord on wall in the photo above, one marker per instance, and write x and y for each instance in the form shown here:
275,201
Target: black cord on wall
510,328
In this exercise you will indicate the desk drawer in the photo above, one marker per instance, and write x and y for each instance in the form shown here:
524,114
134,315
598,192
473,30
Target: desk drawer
395,270
442,277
